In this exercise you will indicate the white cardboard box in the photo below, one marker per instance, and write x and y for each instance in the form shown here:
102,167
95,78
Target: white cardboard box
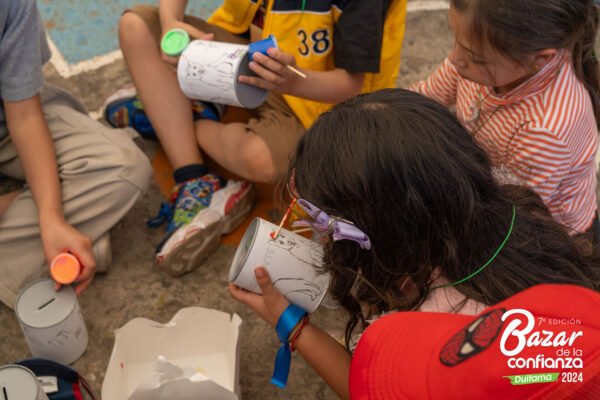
195,355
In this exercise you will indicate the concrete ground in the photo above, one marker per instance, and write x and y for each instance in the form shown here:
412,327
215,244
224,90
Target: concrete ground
133,288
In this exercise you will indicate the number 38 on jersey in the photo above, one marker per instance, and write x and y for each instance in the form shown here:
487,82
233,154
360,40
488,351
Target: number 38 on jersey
317,42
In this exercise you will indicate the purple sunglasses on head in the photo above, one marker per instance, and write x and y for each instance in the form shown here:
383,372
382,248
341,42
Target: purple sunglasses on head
340,228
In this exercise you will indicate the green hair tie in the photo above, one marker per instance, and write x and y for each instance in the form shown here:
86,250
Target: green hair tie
488,262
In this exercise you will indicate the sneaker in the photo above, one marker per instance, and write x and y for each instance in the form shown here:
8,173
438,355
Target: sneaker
189,245
125,109
187,199
234,202
102,253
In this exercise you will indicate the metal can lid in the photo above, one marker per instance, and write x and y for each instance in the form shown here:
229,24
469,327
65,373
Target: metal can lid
40,306
174,42
18,382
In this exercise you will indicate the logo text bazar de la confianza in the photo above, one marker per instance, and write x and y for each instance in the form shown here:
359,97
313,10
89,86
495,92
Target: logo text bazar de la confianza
521,327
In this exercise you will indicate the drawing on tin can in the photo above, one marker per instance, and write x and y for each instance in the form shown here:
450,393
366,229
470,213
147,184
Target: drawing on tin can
213,67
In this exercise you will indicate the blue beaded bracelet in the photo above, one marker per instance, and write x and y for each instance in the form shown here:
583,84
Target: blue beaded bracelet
286,324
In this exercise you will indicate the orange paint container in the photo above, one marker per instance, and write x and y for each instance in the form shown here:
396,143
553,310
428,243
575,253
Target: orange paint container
65,268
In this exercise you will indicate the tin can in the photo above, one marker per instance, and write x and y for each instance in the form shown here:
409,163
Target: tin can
209,71
19,383
51,321
291,260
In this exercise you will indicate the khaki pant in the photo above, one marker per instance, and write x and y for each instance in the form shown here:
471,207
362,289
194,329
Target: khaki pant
102,174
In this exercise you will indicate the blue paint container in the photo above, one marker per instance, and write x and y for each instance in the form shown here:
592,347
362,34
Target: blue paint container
262,46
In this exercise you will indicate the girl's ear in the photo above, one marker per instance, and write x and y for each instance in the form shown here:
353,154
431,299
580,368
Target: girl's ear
543,57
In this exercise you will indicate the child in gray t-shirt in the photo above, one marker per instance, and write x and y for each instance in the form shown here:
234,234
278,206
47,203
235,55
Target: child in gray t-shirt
81,176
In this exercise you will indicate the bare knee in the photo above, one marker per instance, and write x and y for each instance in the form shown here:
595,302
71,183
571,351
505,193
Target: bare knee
132,30
257,161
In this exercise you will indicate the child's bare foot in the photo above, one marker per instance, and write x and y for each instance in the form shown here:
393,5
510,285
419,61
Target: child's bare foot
7,199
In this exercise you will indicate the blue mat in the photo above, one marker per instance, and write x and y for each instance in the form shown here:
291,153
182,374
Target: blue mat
83,29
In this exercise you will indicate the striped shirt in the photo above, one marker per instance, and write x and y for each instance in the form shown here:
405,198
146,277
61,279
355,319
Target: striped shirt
542,133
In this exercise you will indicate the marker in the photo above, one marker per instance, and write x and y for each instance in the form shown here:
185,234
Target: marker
65,268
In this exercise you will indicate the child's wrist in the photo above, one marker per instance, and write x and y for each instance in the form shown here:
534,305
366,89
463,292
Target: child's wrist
51,215
288,322
294,330
168,25
168,22
295,84
295,334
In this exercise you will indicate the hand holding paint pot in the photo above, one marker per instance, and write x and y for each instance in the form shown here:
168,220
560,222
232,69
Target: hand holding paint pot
65,268
176,38
262,47
274,68
174,42
58,236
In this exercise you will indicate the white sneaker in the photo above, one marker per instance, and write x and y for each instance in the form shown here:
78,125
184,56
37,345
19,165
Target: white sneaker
234,202
190,244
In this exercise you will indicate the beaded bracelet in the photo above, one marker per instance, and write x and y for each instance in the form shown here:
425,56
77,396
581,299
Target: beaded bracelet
297,331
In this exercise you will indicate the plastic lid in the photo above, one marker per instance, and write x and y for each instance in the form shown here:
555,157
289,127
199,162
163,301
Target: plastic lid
18,383
65,268
40,306
174,42
274,39
262,46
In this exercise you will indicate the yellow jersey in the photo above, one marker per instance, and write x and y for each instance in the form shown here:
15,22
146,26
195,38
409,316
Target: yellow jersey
306,29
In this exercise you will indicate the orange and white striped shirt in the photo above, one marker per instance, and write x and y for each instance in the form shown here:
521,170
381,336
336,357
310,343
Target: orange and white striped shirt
543,133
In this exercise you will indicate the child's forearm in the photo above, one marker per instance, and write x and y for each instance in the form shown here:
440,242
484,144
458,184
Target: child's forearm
29,132
328,86
321,351
171,11
327,357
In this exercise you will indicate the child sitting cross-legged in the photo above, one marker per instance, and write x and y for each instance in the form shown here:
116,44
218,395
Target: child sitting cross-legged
343,48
